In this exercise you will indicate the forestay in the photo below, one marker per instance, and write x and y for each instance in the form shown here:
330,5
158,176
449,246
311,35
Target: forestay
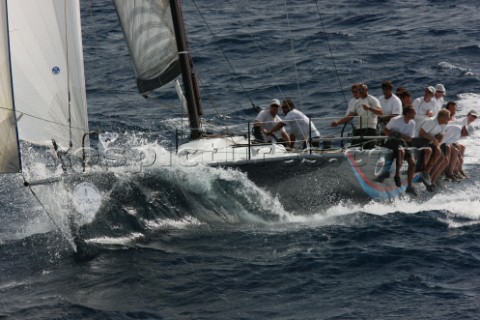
48,72
150,36
9,156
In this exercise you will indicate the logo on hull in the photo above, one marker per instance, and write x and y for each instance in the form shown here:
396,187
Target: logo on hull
87,199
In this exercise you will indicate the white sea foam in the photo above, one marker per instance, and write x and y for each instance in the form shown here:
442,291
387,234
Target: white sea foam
126,240
184,223
454,202
450,66
248,203
228,190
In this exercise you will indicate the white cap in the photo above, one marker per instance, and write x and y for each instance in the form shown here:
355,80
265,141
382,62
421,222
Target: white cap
473,113
431,89
275,102
441,88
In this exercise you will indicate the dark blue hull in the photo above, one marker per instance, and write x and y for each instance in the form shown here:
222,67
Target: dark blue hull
305,182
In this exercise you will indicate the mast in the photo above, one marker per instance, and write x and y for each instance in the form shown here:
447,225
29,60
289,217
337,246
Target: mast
189,80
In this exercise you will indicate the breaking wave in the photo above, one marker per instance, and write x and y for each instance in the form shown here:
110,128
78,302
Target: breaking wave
156,193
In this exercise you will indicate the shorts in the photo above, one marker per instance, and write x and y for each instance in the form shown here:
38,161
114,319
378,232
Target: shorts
367,144
395,144
421,143
444,148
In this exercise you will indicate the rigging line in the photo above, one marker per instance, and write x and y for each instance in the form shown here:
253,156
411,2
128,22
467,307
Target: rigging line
261,53
224,55
95,39
46,211
263,56
39,118
293,52
269,69
212,102
116,95
172,107
331,52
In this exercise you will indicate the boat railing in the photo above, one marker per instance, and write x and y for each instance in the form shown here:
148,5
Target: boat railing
343,135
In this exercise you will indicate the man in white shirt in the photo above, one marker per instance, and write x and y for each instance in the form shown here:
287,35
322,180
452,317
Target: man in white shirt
266,120
439,96
453,133
401,129
468,119
460,147
425,106
431,133
353,101
366,111
300,126
404,96
390,103
452,107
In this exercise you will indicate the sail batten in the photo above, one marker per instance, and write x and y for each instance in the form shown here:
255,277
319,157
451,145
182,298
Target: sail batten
148,29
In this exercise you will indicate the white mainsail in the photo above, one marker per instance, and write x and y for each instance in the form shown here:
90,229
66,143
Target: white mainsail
150,36
48,72
9,154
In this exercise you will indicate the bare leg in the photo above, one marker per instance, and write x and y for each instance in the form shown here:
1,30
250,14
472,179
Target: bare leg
460,160
453,160
427,155
400,156
411,170
440,164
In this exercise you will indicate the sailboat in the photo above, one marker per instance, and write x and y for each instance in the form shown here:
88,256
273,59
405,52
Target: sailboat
44,106
302,178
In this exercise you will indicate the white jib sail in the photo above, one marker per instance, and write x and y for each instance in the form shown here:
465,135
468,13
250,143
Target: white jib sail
9,155
48,72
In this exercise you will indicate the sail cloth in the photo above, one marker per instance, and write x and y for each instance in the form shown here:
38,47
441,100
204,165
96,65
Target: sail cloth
9,155
150,36
48,72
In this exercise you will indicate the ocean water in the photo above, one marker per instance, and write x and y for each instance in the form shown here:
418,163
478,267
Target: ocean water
203,243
